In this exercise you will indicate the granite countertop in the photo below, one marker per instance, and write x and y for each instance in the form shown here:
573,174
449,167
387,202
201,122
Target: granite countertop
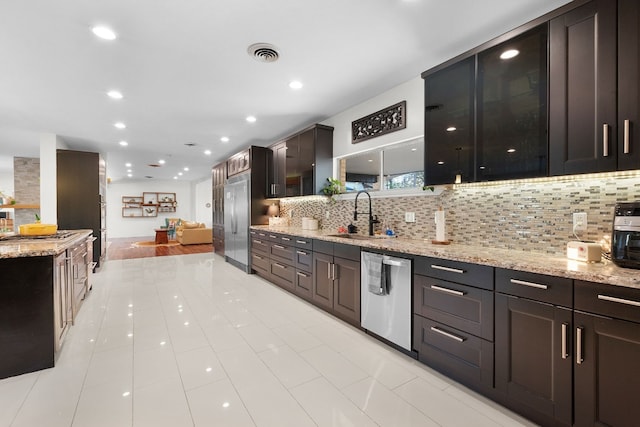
554,265
40,247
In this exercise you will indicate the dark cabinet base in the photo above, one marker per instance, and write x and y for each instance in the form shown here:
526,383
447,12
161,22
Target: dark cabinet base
27,340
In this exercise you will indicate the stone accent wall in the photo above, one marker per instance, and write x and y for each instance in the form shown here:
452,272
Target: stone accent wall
533,215
26,185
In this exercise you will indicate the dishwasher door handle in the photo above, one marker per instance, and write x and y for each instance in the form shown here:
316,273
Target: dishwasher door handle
393,263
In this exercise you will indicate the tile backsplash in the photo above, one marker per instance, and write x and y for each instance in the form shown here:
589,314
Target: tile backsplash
531,215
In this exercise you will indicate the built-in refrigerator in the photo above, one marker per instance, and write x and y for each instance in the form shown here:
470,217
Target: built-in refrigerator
245,204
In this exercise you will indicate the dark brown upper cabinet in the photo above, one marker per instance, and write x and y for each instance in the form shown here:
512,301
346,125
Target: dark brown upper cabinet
582,82
301,163
449,123
512,108
628,84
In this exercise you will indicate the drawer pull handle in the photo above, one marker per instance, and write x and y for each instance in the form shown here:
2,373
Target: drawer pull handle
302,242
447,334
278,247
579,358
299,273
447,290
261,234
564,341
272,236
529,284
627,124
301,253
257,256
279,265
449,269
619,300
286,239
259,242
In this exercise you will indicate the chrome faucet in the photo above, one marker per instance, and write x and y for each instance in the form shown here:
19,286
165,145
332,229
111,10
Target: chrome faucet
372,219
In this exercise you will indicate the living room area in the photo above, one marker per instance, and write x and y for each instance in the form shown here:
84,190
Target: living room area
158,218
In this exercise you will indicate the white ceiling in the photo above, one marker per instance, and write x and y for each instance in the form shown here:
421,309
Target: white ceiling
186,77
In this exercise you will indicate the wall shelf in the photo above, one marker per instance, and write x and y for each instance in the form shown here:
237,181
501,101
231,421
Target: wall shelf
148,205
20,206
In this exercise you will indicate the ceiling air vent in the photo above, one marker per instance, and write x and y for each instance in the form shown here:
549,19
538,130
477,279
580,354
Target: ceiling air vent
190,144
153,165
263,52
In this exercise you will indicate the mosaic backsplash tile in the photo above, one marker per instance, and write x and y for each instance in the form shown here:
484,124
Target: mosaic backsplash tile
535,215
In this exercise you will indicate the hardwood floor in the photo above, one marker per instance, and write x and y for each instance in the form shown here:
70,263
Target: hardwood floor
123,248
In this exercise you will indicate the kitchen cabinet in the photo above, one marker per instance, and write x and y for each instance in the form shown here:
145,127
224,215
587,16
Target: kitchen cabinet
304,268
582,83
628,129
301,163
607,350
336,279
512,108
453,319
533,345
81,189
449,123
219,177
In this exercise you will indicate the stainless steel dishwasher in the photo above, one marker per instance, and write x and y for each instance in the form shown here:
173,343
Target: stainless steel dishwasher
385,297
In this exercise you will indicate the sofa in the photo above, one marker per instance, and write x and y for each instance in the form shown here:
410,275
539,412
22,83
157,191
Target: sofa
193,233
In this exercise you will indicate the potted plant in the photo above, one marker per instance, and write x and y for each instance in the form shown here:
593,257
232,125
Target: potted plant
332,187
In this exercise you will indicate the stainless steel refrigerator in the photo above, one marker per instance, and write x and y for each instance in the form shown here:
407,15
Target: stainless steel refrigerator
236,220
245,204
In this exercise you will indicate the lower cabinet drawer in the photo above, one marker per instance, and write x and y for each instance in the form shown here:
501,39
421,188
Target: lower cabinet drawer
282,275
260,262
304,284
462,356
304,259
463,307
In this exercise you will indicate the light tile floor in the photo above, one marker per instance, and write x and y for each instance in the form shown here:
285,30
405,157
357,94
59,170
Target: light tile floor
190,340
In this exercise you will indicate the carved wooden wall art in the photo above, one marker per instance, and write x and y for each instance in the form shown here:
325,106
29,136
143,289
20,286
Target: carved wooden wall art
381,122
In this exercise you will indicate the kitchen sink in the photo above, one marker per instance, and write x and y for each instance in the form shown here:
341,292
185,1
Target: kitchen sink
356,236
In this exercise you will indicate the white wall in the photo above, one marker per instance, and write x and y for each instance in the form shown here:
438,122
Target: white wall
203,196
411,91
117,226
49,143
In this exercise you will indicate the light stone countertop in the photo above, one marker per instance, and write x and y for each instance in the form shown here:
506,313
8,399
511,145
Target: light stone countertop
40,247
554,265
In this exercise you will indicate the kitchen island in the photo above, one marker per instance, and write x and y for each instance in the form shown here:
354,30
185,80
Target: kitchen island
43,283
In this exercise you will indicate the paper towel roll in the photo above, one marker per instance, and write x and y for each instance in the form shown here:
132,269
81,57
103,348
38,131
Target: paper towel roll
441,235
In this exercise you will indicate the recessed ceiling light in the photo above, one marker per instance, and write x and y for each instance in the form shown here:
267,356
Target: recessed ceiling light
224,139
162,162
120,125
114,94
508,54
295,85
414,149
129,175
451,128
186,169
128,165
128,170
175,177
251,119
207,152
104,33
179,173
370,160
123,143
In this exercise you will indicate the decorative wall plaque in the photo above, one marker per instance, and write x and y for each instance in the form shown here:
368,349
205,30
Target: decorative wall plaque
381,122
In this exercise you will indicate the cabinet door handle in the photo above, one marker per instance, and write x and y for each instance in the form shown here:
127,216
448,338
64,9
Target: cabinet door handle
272,236
447,334
449,269
301,253
301,274
447,290
564,345
278,247
605,140
619,300
302,242
627,126
279,265
333,271
329,271
579,358
286,239
529,284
